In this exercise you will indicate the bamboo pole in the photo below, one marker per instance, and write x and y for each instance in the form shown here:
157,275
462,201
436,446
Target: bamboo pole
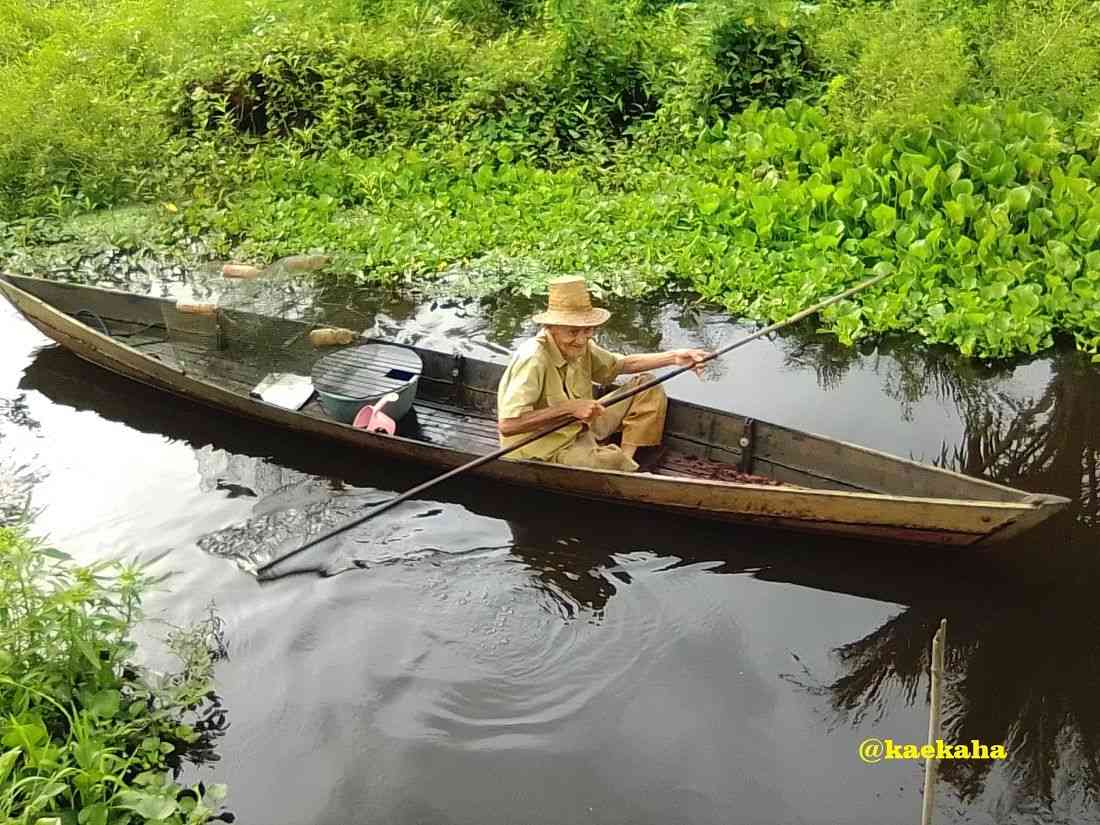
930,765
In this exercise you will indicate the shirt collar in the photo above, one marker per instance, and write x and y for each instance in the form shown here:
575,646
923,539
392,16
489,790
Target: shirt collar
555,353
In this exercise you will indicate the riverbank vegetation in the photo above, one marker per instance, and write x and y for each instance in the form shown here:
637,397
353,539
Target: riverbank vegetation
88,737
757,154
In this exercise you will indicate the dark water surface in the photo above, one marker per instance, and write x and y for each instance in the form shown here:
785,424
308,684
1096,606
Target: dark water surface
501,656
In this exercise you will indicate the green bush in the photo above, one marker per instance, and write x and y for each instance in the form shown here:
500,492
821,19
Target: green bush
762,63
571,92
908,60
990,223
1045,54
86,736
649,8
601,74
322,89
493,17
894,65
55,155
83,118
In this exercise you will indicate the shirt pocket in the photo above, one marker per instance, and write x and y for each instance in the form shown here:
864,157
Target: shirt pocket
579,379
554,391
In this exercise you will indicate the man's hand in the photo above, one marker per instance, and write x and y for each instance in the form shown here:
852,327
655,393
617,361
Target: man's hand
579,409
686,357
584,409
669,358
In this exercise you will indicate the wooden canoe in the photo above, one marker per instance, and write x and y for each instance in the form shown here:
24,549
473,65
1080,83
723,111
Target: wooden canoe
828,486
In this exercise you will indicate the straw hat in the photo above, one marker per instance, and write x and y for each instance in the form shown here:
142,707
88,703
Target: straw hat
571,306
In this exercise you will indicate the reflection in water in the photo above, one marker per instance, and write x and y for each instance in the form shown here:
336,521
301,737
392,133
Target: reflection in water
17,481
1050,442
576,585
909,373
543,646
1023,657
1007,683
829,360
17,477
16,412
290,506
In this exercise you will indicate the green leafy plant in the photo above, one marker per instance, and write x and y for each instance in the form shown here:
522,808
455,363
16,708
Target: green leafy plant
86,736
1044,54
893,65
760,62
493,17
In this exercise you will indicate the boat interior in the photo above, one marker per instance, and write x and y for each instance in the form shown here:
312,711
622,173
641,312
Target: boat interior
455,402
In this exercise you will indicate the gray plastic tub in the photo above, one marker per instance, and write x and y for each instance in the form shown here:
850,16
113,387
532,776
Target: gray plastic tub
349,379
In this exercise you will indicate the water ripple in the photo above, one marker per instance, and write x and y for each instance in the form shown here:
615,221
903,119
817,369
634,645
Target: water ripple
531,677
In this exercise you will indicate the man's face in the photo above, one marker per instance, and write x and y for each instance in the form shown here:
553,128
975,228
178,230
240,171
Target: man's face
572,342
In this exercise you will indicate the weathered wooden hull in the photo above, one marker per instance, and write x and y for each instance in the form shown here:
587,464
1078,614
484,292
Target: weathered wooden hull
996,513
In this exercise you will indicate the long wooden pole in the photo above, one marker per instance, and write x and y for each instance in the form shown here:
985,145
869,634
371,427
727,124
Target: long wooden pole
930,765
263,571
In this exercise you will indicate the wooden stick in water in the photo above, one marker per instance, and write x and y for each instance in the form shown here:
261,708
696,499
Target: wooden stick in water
263,571
930,765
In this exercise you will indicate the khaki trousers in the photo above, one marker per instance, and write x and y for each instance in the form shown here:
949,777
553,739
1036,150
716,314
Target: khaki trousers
641,418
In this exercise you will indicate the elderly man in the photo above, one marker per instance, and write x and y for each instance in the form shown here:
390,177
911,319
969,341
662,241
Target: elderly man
550,378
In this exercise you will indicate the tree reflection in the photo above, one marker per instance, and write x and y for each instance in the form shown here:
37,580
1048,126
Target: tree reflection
17,478
1047,443
909,371
1008,682
569,562
1023,656
15,411
804,349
